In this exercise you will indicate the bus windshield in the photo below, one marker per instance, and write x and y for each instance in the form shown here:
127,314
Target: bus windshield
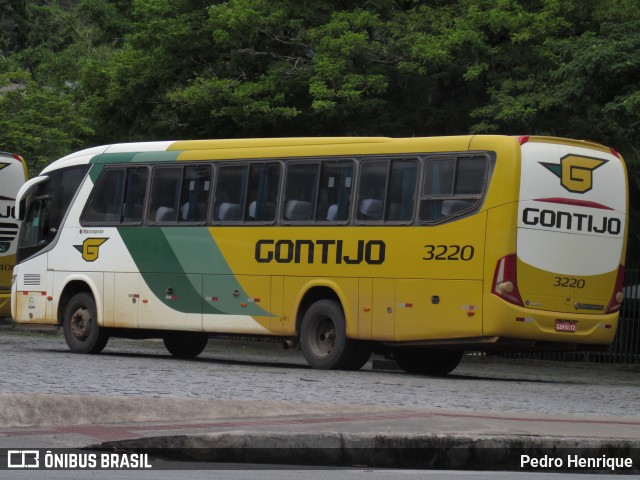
47,204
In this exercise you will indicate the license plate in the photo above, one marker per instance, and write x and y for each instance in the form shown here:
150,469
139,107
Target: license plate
565,326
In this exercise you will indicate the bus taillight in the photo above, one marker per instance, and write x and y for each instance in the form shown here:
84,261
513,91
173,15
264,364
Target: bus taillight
617,296
505,281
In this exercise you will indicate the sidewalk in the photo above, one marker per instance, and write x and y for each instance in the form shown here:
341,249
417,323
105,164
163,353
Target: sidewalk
329,435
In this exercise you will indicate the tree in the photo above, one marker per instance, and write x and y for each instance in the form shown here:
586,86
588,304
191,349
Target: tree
37,122
100,71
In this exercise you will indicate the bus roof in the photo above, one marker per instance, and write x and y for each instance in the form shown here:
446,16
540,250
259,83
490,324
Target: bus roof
267,148
195,150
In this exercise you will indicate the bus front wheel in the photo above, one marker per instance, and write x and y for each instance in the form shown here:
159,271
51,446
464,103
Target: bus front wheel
80,325
427,361
185,344
324,342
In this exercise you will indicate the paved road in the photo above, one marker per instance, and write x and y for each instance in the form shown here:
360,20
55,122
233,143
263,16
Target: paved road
231,370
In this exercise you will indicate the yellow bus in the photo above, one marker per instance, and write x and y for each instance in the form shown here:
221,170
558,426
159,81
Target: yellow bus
13,173
420,248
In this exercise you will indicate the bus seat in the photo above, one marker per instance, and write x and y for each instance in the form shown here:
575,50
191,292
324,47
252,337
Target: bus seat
371,209
332,212
184,211
268,211
229,212
252,210
200,213
164,214
451,207
297,210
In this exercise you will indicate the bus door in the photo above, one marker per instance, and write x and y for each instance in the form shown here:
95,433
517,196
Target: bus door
571,227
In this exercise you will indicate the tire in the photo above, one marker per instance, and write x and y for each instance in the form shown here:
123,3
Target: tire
428,361
324,342
185,344
80,325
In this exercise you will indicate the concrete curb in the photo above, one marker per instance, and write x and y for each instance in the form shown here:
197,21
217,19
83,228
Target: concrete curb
420,451
24,410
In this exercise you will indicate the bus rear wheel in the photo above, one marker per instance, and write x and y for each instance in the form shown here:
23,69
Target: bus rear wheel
324,342
428,361
185,344
80,325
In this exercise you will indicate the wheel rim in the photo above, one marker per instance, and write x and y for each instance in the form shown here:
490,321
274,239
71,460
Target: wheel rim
323,336
81,324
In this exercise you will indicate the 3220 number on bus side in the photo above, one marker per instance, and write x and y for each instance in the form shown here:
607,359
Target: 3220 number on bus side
449,252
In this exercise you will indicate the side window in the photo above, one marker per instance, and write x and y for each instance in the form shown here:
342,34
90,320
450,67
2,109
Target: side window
471,176
387,190
135,191
118,197
230,193
165,194
401,193
300,192
452,186
334,192
247,193
264,183
372,189
105,203
195,191
318,192
180,194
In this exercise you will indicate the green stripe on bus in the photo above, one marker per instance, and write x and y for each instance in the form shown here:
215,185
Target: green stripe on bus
183,259
131,157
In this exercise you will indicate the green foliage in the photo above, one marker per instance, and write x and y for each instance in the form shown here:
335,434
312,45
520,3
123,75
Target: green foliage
37,122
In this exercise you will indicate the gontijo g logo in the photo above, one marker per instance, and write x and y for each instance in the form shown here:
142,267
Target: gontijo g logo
575,172
90,248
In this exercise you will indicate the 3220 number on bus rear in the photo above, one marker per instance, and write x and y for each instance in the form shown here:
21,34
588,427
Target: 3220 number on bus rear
568,282
449,252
